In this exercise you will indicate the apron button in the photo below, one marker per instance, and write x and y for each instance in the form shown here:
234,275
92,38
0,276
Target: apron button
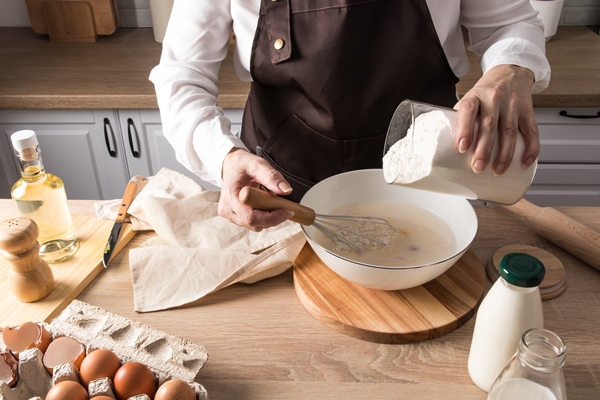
278,44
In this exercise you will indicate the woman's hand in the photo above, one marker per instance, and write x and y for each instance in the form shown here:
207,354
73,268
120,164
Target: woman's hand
501,101
241,168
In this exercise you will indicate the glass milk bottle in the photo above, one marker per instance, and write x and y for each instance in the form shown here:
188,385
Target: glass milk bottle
41,196
512,306
534,371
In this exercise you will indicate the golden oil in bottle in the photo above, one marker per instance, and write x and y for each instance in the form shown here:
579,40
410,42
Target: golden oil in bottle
41,196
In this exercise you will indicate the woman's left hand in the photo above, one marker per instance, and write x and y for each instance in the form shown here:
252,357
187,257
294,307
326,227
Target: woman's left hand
502,103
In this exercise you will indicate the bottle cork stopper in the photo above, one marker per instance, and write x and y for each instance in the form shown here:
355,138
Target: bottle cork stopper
30,278
28,154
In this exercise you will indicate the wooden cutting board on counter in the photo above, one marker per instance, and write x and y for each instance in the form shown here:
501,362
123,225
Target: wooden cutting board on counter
102,16
70,21
393,317
71,276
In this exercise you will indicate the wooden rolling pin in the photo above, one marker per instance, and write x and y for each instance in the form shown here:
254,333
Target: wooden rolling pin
580,240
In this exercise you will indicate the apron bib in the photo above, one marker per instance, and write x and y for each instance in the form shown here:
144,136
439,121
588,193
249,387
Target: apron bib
328,76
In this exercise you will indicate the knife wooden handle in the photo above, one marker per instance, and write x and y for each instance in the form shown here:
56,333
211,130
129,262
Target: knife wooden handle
580,240
266,201
128,197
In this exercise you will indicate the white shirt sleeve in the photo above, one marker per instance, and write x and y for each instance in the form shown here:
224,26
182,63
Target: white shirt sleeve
195,43
507,32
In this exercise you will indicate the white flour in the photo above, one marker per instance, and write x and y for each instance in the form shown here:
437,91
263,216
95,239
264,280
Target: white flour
411,158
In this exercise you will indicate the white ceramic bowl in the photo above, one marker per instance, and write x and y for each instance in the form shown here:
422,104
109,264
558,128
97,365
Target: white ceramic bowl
370,185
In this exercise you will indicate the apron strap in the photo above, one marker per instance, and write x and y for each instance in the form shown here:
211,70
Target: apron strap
278,28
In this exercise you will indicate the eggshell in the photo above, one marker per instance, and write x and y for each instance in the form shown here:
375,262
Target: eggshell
102,397
8,368
100,363
175,389
26,336
67,390
134,378
63,350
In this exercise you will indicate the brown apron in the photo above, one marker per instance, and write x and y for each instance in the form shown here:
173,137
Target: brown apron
328,75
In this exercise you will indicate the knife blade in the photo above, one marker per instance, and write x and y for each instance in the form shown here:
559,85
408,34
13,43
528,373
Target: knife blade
116,229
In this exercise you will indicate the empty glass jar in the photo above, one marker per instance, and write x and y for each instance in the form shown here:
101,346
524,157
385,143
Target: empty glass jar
535,371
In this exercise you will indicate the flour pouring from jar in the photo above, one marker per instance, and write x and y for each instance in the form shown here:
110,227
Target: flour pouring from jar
419,152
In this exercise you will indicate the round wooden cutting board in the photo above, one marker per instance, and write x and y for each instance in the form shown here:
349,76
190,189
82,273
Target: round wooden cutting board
404,316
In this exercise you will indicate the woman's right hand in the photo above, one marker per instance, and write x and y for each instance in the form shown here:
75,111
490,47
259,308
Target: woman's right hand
241,168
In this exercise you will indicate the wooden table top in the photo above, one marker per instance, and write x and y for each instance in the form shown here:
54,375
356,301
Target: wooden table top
112,73
263,344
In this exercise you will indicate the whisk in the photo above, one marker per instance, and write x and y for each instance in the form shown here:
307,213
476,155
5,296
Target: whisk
353,232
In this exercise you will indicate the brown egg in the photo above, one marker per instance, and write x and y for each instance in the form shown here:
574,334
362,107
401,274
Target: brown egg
100,363
63,350
175,389
134,378
67,390
102,397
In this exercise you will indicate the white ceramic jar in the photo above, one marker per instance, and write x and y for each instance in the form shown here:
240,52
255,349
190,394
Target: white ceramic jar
160,11
512,306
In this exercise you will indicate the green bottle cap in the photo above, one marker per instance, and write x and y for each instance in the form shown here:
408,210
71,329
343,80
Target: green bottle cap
521,269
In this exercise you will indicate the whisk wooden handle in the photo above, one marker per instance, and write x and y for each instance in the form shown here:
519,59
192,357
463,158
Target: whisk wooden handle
266,201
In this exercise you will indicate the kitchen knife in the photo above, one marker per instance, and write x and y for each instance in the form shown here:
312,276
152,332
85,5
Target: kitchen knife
116,229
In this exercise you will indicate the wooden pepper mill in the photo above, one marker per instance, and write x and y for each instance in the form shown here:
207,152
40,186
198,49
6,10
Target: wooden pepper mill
30,278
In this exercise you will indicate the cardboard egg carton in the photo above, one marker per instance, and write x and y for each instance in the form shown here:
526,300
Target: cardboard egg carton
168,356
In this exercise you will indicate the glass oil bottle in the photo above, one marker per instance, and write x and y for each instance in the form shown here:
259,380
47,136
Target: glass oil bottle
41,196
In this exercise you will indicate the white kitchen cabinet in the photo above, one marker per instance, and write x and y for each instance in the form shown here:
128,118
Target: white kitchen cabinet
5,185
569,163
83,147
147,149
94,152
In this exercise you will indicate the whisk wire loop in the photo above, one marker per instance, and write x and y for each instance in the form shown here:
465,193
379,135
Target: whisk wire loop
363,229
335,237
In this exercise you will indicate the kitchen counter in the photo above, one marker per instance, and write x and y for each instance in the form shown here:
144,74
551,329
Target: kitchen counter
112,73
263,344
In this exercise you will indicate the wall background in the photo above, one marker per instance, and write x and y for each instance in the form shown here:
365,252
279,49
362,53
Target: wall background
136,13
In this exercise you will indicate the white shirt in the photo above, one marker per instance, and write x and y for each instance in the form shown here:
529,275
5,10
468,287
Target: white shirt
197,39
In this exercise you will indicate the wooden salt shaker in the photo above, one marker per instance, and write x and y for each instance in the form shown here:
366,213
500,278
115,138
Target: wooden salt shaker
30,278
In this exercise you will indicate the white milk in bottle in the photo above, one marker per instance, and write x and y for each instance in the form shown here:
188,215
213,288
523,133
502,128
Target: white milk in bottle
512,306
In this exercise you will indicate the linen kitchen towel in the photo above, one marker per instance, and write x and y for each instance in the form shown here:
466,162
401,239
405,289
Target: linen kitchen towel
197,252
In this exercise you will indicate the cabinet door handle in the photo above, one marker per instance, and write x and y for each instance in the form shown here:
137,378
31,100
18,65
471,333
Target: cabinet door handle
565,113
111,152
130,129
